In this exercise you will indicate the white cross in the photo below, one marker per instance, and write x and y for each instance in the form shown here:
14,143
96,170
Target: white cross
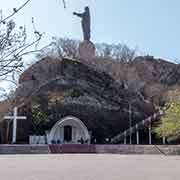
14,117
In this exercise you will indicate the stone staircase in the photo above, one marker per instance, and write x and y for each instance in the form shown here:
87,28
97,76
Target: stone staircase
142,124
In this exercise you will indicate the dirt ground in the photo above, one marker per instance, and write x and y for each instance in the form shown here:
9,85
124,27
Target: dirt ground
89,167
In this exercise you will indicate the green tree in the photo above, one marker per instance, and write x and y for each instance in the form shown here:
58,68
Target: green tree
39,119
170,122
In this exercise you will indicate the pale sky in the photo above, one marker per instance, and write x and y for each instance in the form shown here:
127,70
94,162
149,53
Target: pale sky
152,26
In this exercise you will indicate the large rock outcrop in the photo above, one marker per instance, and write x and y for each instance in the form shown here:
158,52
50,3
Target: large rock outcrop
153,77
66,87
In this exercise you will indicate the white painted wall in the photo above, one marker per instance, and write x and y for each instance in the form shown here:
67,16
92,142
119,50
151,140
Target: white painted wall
37,139
79,130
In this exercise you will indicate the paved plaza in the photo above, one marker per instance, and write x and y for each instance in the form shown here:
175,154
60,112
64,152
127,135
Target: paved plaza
89,167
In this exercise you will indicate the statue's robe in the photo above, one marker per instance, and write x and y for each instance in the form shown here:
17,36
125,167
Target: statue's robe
86,24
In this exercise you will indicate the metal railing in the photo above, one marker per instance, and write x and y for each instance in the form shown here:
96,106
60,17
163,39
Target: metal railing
146,122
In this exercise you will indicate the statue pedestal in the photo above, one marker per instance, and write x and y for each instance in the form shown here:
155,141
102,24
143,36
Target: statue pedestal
86,50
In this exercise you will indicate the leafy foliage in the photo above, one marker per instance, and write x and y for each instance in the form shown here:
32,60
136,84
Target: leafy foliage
170,122
39,118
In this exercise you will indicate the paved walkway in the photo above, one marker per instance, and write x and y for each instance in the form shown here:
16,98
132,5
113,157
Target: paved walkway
89,167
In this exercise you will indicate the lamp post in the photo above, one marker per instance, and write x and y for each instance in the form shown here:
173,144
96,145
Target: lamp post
129,103
130,123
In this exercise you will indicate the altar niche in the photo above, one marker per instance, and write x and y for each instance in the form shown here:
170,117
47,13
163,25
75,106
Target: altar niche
69,130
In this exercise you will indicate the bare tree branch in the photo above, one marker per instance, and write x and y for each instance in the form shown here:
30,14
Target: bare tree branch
64,3
15,10
14,44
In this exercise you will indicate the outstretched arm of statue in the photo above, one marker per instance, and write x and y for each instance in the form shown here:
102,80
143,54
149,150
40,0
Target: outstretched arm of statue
78,14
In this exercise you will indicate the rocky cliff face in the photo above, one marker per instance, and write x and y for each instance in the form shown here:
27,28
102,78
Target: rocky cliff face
147,76
64,87
61,87
154,77
153,70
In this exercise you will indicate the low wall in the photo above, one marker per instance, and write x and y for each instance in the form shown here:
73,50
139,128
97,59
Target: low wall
24,149
99,149
139,149
72,148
